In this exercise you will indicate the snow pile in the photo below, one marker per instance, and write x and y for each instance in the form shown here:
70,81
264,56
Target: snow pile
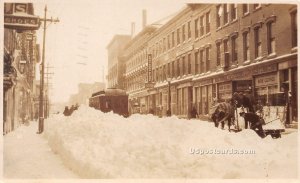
98,145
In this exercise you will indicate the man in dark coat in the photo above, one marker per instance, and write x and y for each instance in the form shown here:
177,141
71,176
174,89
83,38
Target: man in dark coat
255,122
194,112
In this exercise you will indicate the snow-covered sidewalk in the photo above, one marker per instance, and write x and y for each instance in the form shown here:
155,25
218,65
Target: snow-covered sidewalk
27,155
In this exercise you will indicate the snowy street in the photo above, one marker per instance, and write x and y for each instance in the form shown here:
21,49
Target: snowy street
27,155
98,145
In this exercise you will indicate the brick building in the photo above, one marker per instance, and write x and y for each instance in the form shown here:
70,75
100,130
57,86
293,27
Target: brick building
209,51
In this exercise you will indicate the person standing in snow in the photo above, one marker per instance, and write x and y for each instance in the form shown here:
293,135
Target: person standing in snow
255,122
66,111
194,113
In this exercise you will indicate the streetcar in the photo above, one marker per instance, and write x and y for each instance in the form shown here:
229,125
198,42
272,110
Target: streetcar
110,99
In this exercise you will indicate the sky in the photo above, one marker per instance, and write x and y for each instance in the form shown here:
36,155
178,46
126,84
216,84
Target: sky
76,46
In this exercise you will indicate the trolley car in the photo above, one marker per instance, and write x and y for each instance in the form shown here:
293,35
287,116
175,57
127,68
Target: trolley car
111,99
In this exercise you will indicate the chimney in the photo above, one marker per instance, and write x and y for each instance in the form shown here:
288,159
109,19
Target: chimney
144,18
132,29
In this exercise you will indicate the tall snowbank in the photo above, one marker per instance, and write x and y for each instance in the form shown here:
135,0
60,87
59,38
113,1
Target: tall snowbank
106,145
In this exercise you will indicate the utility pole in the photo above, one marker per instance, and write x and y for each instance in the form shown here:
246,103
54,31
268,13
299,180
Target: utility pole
47,90
41,103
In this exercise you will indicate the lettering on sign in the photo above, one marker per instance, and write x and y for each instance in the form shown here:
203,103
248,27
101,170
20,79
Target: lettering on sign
266,80
265,69
225,87
149,67
20,8
21,22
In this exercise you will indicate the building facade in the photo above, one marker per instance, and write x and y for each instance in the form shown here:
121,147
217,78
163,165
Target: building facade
209,51
115,63
21,54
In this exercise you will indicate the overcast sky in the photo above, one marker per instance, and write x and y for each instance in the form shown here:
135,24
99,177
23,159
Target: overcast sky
76,46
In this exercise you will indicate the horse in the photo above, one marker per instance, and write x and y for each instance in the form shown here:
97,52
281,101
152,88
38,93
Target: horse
224,112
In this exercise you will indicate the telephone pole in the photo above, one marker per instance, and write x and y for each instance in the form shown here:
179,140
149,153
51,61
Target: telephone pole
41,103
48,76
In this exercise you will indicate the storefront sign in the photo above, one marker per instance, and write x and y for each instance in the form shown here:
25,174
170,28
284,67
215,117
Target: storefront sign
266,80
264,69
225,87
149,68
233,76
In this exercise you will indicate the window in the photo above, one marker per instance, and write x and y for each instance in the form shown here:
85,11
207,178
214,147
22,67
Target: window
294,28
183,33
173,39
207,50
168,71
234,49
207,21
257,42
189,64
233,11
201,61
246,51
225,46
173,69
169,46
157,73
183,66
164,73
164,44
189,30
178,67
178,36
270,37
201,26
219,14
245,9
218,53
196,28
256,6
196,62
226,14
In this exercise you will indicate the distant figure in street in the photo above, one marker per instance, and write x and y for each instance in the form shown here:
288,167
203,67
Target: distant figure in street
194,113
72,109
76,106
255,122
151,111
66,111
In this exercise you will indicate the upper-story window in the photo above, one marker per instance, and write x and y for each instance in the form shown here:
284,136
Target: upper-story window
207,22
218,45
178,67
173,39
196,28
178,36
245,9
234,47
233,11
257,42
189,64
226,13
270,37
196,62
164,44
207,51
173,69
183,66
218,15
168,70
201,61
201,25
183,33
246,50
189,30
294,28
169,46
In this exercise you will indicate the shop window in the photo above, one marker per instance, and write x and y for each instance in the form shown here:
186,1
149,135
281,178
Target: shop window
233,11
218,15
196,28
294,28
183,33
189,64
257,42
270,37
196,62
245,9
218,45
234,49
178,36
189,30
201,25
207,22
207,50
226,14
